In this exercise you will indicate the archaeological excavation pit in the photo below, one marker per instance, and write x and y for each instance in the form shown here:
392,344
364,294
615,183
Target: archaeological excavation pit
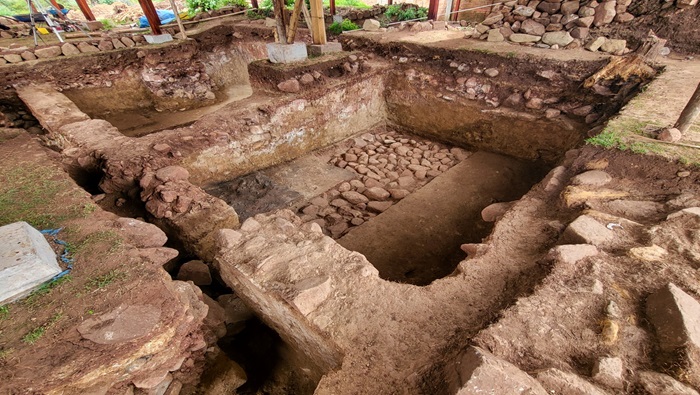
359,222
405,202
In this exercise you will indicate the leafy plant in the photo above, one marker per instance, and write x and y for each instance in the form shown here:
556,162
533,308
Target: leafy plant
405,12
201,5
344,26
4,312
107,24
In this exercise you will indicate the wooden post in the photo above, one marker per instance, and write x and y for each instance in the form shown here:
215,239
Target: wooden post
280,25
58,9
455,8
254,4
179,21
150,11
390,2
318,24
690,112
433,9
294,23
307,19
332,3
85,9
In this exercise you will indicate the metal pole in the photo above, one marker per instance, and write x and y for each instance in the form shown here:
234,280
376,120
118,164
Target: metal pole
31,21
179,21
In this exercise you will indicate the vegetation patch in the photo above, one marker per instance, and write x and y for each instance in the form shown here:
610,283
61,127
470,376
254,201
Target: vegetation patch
28,193
346,25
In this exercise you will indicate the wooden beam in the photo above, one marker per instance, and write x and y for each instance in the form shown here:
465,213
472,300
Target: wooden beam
294,23
690,112
455,8
85,9
433,9
254,4
332,2
280,25
307,20
177,18
57,7
318,24
150,11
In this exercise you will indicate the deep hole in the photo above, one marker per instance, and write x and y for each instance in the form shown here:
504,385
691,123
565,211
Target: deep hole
256,349
88,179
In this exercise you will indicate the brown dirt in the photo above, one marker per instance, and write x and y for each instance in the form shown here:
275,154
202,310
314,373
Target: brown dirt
38,336
679,26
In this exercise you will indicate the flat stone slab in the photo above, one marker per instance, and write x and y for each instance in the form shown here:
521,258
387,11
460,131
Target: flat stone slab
286,53
320,49
158,39
26,260
675,316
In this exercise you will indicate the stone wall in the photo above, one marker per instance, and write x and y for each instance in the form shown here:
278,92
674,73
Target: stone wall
554,23
18,54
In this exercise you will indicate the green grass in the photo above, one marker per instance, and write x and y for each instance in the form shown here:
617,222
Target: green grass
104,280
347,3
34,335
4,312
45,289
606,139
28,193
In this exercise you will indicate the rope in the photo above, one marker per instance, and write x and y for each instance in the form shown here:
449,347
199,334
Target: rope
65,255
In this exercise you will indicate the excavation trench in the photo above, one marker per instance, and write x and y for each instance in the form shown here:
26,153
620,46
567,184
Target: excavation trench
385,160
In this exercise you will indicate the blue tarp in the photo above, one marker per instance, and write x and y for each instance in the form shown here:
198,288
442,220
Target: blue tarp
165,16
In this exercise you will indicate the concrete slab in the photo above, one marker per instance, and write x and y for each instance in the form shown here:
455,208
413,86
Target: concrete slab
158,39
26,261
320,49
418,239
286,53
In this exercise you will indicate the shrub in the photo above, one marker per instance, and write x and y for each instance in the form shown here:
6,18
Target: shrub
201,5
339,27
405,12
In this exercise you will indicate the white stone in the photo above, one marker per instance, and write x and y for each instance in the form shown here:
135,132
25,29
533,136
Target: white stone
286,53
158,39
26,260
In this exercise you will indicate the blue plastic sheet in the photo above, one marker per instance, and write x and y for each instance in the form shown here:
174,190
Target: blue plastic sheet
165,16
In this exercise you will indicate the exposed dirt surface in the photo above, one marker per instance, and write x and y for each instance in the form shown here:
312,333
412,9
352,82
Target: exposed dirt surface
115,268
560,286
678,26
